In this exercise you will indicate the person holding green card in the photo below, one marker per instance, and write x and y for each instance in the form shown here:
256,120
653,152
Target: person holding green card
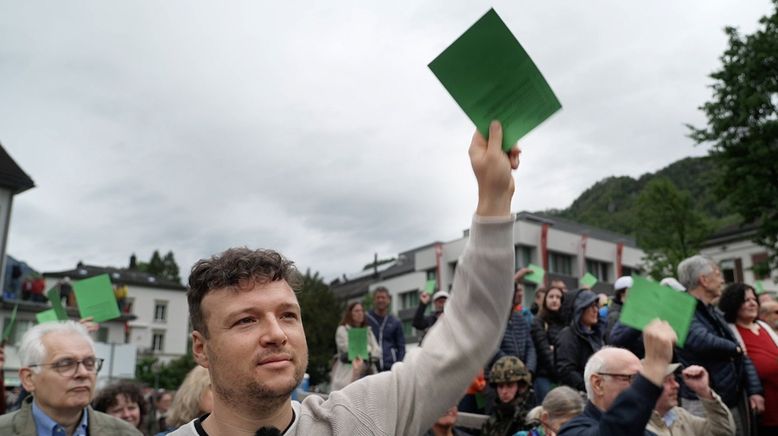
343,372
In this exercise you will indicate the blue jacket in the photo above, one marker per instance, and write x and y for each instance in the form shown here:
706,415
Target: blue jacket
389,333
627,416
516,341
710,344
627,337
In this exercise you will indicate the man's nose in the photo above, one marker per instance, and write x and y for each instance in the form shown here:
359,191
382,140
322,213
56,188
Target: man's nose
272,332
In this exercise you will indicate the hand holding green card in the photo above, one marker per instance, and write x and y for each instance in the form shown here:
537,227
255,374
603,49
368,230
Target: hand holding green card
649,300
589,280
491,77
430,286
95,298
537,275
357,343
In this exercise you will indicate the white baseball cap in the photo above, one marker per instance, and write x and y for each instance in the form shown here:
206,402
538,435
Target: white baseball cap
623,283
440,294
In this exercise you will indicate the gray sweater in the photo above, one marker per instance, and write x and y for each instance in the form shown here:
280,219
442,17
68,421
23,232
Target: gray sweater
408,399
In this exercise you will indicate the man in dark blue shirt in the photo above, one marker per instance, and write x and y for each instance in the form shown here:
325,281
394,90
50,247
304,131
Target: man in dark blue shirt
387,329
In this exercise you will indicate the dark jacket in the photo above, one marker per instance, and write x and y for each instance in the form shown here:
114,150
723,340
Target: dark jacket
627,337
422,322
389,333
575,344
516,341
22,423
710,344
614,311
544,335
627,416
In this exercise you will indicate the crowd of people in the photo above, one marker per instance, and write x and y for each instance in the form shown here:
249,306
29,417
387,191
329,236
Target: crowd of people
563,366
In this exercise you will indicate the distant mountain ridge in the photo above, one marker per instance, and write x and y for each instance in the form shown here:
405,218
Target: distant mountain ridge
610,203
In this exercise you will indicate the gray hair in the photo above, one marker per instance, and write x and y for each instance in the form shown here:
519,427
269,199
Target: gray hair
33,352
562,402
691,269
595,364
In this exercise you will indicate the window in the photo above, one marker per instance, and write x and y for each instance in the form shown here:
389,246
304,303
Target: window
760,266
102,334
158,341
160,311
729,270
523,256
598,269
408,329
409,299
431,274
560,263
628,270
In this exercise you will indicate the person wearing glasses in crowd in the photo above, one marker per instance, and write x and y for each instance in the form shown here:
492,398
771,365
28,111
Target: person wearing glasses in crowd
622,391
59,369
668,419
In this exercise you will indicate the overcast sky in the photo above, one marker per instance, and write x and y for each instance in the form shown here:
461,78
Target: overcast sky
317,128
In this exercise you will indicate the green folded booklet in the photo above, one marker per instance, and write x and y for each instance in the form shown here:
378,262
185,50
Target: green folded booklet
491,77
648,300
95,298
357,343
537,275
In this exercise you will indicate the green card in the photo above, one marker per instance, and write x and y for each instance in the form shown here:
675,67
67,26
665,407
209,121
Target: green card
56,303
491,77
589,280
648,300
8,330
357,343
537,275
758,287
48,315
95,298
430,286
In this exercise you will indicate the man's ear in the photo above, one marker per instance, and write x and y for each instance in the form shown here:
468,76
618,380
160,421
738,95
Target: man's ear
25,376
596,382
199,343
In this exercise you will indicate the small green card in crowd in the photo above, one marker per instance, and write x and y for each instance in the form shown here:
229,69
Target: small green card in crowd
649,300
430,286
491,77
357,343
589,280
56,303
48,315
95,298
758,287
537,275
8,330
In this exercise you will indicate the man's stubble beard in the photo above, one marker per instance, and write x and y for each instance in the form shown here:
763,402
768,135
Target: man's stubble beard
257,396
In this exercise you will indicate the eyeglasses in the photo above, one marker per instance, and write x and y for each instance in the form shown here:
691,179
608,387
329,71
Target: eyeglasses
623,377
69,367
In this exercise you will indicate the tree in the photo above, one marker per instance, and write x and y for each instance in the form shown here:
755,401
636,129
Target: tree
169,376
742,126
164,268
321,313
670,229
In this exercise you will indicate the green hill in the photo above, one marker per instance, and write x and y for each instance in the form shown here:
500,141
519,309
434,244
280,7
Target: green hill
610,203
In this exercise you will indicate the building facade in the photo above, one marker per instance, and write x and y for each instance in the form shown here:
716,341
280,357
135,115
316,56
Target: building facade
741,259
565,249
160,327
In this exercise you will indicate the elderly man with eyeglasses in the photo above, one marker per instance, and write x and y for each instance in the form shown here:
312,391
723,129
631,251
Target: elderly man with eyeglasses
59,369
622,392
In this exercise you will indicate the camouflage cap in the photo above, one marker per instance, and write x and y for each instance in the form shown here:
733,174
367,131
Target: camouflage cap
509,369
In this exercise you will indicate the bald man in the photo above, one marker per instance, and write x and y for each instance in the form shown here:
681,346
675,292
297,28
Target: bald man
622,392
768,312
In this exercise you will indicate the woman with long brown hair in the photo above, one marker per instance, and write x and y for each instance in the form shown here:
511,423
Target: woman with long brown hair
343,372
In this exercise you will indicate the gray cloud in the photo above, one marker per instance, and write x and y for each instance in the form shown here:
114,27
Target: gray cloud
317,129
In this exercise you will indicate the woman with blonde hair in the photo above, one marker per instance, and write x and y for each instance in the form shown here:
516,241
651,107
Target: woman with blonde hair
560,405
193,399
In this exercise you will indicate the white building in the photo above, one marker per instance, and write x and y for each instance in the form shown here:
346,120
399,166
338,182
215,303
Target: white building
565,249
161,324
733,248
